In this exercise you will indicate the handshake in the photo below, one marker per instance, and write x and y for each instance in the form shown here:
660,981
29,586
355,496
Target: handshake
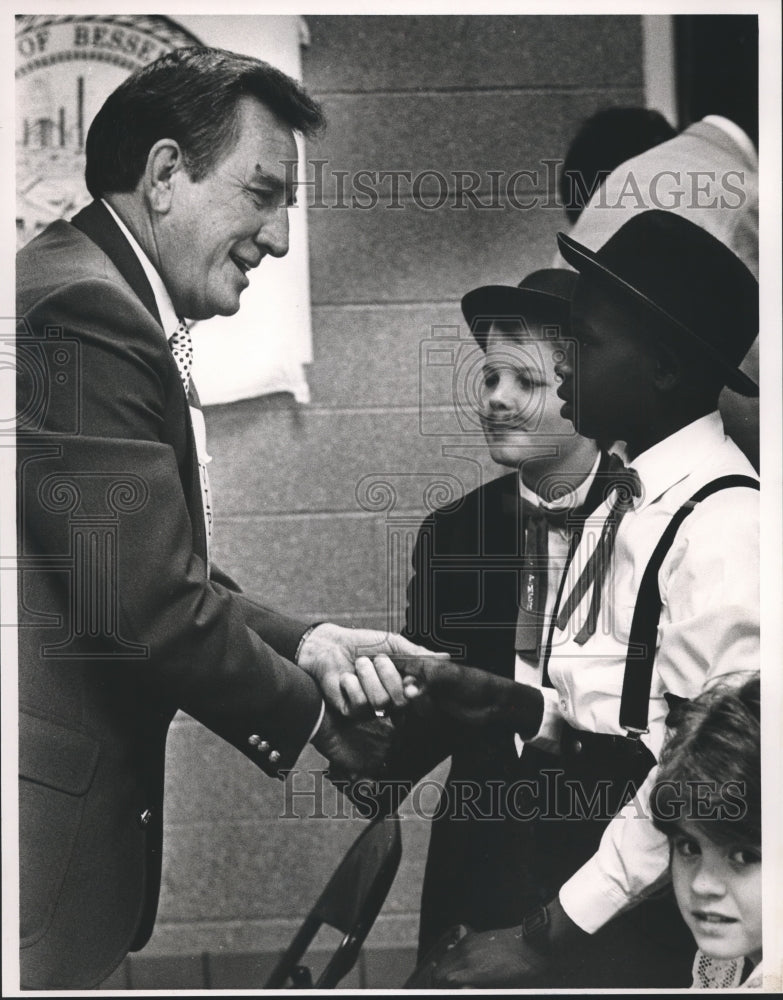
368,678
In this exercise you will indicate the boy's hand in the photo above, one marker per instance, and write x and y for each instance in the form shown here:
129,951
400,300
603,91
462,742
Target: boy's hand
473,697
354,749
512,956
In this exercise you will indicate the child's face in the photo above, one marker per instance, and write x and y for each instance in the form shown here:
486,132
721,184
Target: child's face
718,891
606,381
520,409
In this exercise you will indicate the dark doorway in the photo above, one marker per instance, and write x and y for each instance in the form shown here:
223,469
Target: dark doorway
717,68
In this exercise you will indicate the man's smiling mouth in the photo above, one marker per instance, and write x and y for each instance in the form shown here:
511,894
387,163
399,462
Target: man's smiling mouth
244,265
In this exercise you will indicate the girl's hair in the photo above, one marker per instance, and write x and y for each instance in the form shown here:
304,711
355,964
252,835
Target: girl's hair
710,767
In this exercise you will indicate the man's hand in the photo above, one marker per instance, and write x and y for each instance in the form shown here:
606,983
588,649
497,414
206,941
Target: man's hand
354,749
351,668
472,696
491,958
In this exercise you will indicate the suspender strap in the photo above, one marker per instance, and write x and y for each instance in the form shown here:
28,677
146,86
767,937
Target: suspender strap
637,680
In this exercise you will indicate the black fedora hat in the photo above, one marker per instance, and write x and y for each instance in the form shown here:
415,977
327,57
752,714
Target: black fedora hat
550,288
686,277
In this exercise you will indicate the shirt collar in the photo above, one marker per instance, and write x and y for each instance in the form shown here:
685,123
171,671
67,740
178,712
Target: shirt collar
570,501
168,314
671,460
735,133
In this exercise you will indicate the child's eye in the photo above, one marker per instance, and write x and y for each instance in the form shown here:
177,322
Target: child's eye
686,847
491,379
742,856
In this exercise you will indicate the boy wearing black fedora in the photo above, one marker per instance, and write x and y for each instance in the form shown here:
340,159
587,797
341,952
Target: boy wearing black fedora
485,576
660,597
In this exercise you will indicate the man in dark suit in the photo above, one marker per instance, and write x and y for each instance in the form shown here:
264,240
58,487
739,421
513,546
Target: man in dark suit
123,619
485,575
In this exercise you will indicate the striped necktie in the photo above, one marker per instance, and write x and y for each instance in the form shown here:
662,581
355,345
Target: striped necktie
626,486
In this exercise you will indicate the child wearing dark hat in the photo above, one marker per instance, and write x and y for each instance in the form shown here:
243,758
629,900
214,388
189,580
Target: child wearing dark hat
485,574
707,801
660,596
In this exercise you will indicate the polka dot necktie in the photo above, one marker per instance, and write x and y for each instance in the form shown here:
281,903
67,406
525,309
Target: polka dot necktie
181,346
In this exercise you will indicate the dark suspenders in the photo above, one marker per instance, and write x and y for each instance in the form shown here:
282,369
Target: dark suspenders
640,659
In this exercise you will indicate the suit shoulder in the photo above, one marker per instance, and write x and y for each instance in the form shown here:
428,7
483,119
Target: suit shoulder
485,498
59,258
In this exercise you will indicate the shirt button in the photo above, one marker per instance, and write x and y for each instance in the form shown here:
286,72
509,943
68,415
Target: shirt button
145,817
274,757
563,704
577,746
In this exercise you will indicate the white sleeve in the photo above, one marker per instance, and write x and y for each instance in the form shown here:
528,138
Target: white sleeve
709,586
548,735
632,860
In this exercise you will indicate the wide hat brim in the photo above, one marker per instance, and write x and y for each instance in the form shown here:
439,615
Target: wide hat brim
589,263
544,293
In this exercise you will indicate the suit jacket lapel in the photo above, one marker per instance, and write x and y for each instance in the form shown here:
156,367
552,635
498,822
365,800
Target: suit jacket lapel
96,222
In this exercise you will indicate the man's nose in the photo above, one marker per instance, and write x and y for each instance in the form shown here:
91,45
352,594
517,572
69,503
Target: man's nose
272,237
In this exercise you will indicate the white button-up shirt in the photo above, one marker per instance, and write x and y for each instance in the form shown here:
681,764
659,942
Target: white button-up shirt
558,542
170,321
709,626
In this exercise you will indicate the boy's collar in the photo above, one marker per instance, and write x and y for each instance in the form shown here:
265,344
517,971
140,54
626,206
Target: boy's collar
573,499
671,460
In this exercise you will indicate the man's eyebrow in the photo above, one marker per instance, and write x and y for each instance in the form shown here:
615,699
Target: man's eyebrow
261,176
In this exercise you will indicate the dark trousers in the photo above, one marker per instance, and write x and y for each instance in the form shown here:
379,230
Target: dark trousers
489,870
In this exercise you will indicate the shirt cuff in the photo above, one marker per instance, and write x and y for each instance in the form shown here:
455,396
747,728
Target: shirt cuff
548,735
318,722
590,899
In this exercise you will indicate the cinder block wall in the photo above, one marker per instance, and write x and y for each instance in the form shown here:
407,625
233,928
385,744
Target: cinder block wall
402,93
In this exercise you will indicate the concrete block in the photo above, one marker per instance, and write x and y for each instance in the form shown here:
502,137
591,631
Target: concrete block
439,52
167,972
423,255
266,464
373,356
250,870
432,142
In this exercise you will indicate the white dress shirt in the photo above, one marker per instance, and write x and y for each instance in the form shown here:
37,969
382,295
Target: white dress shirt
170,321
558,541
709,626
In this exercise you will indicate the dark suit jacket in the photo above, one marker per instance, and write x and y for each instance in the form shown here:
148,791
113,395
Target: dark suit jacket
463,597
120,624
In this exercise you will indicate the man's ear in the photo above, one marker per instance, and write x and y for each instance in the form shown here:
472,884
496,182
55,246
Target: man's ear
165,164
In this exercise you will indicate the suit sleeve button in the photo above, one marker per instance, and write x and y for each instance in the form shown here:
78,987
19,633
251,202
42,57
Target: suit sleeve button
263,746
254,740
274,757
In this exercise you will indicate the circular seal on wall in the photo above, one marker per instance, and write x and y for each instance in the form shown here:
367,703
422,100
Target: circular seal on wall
66,66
